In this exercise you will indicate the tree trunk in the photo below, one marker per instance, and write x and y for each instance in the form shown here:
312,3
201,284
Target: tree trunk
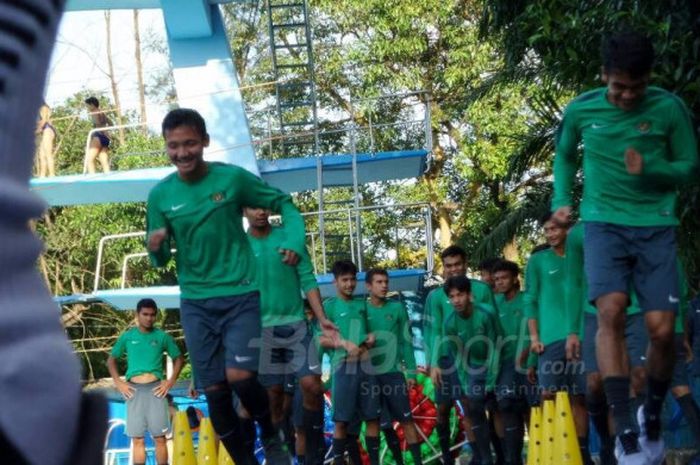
139,68
112,77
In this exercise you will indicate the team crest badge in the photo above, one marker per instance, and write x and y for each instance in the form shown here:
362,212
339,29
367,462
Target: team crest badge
644,127
217,197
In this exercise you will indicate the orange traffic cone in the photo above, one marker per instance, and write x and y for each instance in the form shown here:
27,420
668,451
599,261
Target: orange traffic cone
566,446
183,449
534,445
206,452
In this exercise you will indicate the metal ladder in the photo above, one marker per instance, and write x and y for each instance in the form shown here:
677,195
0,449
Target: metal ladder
293,67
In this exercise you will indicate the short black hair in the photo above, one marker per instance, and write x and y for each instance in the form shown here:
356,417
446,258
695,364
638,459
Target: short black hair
342,267
540,248
369,276
506,265
454,251
184,117
546,217
488,264
146,303
461,283
92,101
629,52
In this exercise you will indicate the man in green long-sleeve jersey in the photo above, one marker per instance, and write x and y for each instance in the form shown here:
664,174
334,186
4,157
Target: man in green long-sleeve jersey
392,354
545,306
437,309
287,346
582,324
638,147
200,207
471,336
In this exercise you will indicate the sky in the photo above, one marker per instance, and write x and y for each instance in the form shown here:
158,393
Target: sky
79,59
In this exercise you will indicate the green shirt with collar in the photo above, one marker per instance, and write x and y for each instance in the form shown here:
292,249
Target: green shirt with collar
144,351
393,349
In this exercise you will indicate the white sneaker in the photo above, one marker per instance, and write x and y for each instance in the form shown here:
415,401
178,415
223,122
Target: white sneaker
628,450
653,448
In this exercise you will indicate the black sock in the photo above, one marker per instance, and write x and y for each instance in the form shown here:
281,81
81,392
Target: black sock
394,445
254,398
480,428
227,424
444,439
496,442
598,413
691,412
248,435
416,453
313,430
372,443
585,453
354,449
617,391
656,393
511,438
339,445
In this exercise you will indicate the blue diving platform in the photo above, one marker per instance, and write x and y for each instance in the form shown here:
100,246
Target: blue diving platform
169,296
289,175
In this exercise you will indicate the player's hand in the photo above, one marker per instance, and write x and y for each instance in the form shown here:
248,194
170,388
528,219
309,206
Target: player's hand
163,388
328,327
436,376
573,347
125,389
537,347
562,215
192,392
289,257
532,375
633,162
411,382
370,340
156,238
352,349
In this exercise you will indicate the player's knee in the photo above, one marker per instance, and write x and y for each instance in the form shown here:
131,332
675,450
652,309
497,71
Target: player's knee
138,442
507,405
661,332
311,386
160,440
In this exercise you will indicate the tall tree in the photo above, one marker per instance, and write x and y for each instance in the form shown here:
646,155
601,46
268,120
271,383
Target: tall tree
112,76
139,69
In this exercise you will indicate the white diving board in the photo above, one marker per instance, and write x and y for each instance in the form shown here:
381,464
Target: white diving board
288,175
169,296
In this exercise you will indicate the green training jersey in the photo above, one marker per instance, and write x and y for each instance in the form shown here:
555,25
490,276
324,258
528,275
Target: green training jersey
393,350
472,341
144,351
545,299
577,285
438,307
511,315
204,217
660,129
350,316
280,284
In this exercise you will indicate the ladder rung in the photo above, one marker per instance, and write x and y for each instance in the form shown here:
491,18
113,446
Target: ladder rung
302,103
293,84
277,47
288,25
298,123
293,65
286,5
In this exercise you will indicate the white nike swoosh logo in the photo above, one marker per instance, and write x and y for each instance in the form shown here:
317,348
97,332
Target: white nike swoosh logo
552,271
598,126
673,300
313,367
344,314
240,359
177,207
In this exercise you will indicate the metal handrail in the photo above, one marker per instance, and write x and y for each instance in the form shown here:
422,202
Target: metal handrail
353,236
